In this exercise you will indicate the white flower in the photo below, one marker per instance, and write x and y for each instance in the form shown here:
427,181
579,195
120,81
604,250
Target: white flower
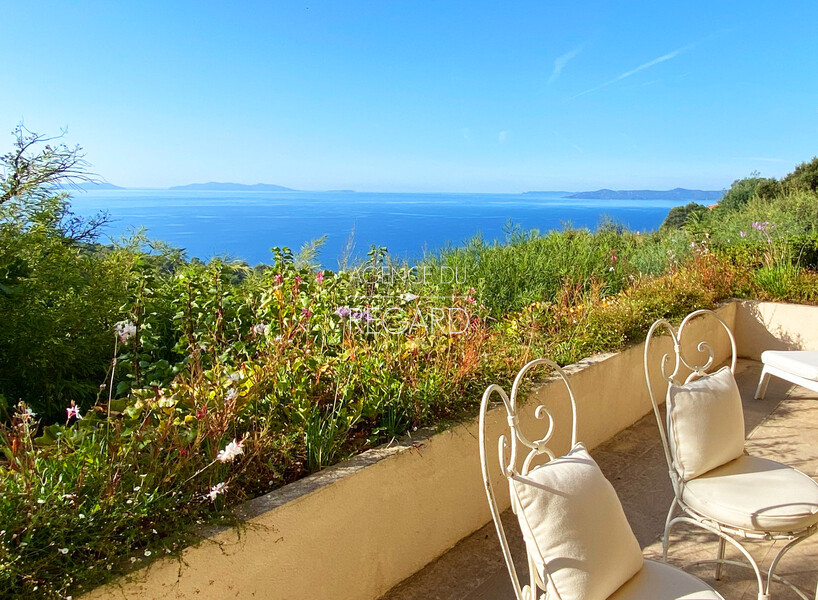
235,377
125,330
259,329
231,395
217,489
63,550
147,552
231,451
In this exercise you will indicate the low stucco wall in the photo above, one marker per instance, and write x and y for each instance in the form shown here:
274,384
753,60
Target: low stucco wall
764,326
355,530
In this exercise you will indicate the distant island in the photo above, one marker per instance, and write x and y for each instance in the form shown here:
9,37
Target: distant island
94,185
215,186
674,194
549,192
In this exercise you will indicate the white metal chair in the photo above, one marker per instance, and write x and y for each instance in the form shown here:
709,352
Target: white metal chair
743,498
549,573
796,366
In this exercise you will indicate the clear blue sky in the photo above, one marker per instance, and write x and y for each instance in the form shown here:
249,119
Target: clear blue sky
416,95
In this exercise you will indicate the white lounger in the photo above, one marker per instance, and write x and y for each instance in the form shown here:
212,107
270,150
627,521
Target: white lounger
797,366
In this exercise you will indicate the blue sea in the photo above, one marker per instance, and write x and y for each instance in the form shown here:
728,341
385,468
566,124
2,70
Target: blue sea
245,225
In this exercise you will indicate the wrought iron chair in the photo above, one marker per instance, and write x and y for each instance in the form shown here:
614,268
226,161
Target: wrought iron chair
578,482
737,497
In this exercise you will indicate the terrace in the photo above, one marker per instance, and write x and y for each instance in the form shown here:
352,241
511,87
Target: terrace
409,520
782,427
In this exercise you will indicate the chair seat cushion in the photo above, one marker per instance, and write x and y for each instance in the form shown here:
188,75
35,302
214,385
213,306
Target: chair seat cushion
660,581
755,494
802,363
575,528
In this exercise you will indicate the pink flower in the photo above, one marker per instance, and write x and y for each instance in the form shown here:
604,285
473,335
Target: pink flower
231,451
742,234
306,312
319,277
219,488
73,411
278,278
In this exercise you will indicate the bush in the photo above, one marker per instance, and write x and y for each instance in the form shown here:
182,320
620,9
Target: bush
743,190
804,178
679,215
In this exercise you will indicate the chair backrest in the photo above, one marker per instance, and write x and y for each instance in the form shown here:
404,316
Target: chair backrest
517,454
681,364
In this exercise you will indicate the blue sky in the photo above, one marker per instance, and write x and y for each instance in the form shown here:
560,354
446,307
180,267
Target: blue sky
393,95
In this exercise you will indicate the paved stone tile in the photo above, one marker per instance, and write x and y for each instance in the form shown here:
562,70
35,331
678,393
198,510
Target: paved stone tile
783,427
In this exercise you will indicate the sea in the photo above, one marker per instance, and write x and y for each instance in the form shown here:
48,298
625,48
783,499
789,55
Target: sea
245,225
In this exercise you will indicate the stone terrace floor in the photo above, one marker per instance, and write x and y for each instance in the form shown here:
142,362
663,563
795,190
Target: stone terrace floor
782,427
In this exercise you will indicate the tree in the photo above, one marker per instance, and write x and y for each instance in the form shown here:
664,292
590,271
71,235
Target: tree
679,215
33,182
745,189
60,293
804,177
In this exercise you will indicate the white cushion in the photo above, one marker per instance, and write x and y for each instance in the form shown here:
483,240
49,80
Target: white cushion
705,423
573,522
660,581
755,494
802,363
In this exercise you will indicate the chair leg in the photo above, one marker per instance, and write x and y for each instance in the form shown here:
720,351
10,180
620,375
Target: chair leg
761,390
771,572
666,533
720,558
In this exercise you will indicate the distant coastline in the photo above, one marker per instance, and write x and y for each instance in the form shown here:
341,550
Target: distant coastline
215,186
678,194
674,194
101,185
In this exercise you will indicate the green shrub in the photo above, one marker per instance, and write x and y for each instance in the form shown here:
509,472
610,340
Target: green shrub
804,178
679,215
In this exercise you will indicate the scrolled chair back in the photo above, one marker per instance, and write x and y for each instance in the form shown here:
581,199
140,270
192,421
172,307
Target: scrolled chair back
684,370
517,454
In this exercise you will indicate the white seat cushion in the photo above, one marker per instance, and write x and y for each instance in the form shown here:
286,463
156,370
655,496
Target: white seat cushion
572,522
798,362
660,581
755,494
705,423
